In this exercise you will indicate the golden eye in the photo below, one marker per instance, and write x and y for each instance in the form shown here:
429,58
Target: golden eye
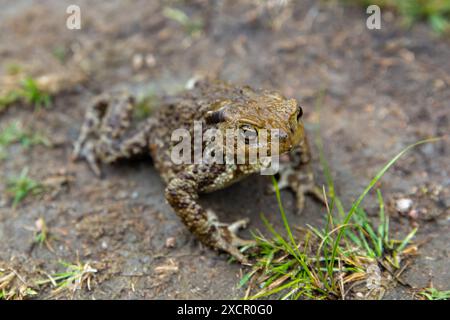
248,132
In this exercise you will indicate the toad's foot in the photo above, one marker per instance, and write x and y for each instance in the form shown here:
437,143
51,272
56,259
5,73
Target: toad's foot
105,135
226,238
86,150
301,182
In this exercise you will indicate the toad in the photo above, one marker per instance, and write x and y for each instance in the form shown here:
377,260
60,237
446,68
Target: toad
109,133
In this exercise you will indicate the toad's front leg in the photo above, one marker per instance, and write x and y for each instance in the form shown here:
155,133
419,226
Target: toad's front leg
182,194
297,175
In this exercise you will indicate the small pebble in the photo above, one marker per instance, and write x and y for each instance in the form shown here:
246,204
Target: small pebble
150,60
403,205
135,195
413,214
190,84
138,61
171,242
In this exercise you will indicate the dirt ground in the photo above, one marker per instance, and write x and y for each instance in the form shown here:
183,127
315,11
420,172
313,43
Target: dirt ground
384,90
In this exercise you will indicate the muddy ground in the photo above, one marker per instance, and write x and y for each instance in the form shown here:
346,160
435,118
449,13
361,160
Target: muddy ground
384,90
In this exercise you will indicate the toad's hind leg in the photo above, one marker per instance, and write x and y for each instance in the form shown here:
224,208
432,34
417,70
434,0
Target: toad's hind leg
182,194
106,136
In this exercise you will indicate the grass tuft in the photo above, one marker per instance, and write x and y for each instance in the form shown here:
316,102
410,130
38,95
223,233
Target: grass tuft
41,233
33,95
21,186
15,133
13,286
434,294
74,278
29,92
376,242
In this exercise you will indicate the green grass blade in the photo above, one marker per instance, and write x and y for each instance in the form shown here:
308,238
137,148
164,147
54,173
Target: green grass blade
406,240
283,214
382,230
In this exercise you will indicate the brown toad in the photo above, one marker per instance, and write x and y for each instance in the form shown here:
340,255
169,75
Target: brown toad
109,134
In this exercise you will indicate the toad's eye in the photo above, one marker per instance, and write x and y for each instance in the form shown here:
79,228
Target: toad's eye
300,113
248,133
